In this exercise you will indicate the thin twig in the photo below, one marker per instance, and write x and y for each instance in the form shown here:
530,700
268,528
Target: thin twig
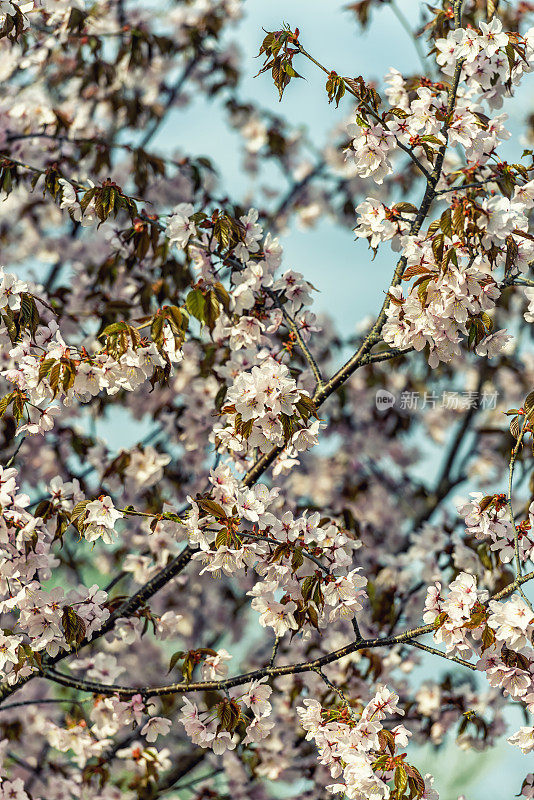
356,629
334,688
370,111
16,451
475,185
292,325
201,778
361,357
306,553
50,700
513,457
173,92
440,653
275,650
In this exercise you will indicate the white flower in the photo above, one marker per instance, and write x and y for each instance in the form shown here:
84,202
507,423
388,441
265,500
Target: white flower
429,792
257,730
10,290
279,616
373,222
13,790
179,226
257,696
523,738
512,622
145,467
214,667
529,313
492,345
100,519
156,726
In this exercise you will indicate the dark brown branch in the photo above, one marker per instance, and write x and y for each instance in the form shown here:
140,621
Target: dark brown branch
407,637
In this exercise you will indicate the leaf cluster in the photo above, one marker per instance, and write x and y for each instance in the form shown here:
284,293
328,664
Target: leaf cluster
279,48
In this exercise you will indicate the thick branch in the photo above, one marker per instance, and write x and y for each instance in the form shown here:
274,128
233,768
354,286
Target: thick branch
406,637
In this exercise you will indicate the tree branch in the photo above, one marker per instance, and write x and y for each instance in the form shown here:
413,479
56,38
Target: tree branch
272,672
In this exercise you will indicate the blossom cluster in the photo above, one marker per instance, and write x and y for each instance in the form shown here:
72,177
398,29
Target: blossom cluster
485,63
49,619
415,119
441,314
354,749
264,409
99,520
488,518
331,559
255,286
456,286
45,371
215,728
237,527
499,634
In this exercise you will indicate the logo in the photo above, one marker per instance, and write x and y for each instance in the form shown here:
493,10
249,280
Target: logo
384,399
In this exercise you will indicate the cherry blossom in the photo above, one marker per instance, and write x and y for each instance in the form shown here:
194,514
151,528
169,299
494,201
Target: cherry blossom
224,502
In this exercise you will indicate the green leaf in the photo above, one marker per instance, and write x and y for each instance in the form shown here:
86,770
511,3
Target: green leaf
432,139
307,586
440,619
445,223
73,626
510,54
79,509
416,778
178,318
514,428
406,208
53,378
488,638
398,112
422,291
298,559
221,538
476,619
212,310
291,71
18,405
401,779
211,507
29,316
512,251
114,328
87,197
195,304
386,740
222,295
528,405
415,269
45,367
5,402
220,396
313,617
156,329
174,659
